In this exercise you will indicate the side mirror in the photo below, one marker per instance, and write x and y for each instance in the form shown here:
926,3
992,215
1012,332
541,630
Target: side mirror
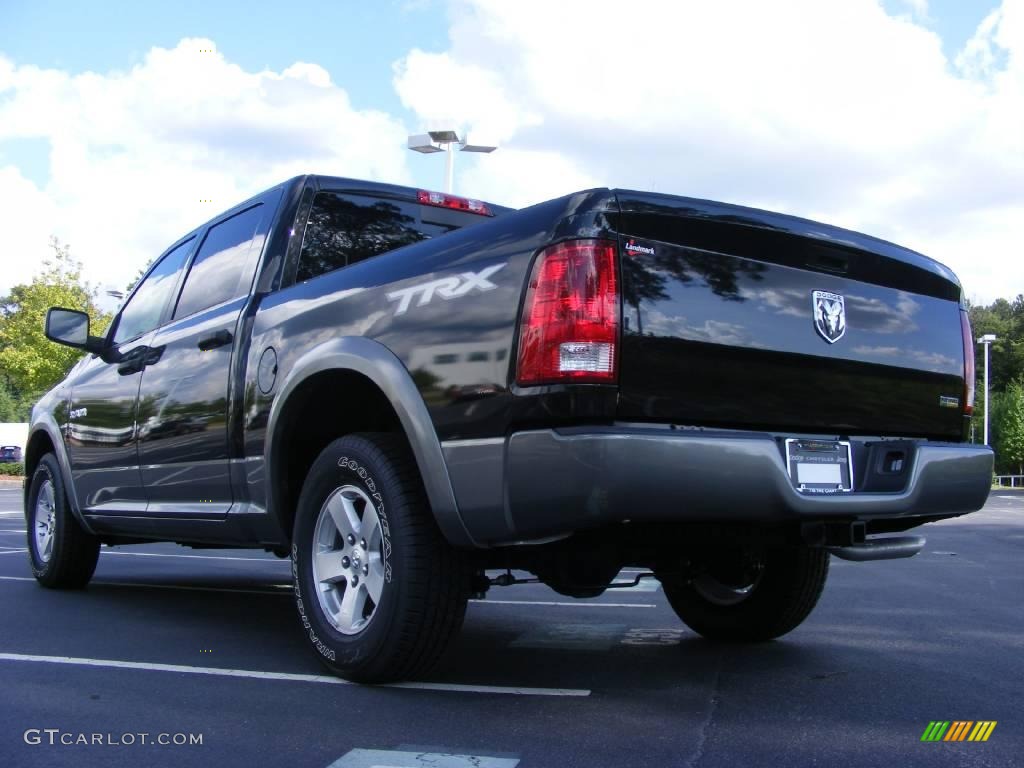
71,328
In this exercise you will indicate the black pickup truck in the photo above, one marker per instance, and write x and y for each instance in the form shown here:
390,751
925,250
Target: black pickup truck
406,392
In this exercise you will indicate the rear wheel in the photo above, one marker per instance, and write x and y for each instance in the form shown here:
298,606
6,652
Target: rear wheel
62,553
750,598
379,591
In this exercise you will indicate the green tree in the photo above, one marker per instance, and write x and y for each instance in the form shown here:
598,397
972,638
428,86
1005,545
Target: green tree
1006,320
9,410
30,363
1010,444
135,280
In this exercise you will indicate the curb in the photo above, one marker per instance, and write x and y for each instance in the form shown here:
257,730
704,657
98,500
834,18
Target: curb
11,485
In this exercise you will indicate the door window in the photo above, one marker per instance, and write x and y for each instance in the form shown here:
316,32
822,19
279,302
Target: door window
144,308
221,270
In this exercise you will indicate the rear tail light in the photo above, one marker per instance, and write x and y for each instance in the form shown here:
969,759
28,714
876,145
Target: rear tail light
441,200
570,327
965,328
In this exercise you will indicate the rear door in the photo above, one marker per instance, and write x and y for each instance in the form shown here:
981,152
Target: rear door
185,394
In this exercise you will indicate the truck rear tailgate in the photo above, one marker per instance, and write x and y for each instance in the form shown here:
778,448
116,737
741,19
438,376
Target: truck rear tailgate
739,318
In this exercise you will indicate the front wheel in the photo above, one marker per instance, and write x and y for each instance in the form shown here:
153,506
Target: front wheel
745,599
62,553
379,591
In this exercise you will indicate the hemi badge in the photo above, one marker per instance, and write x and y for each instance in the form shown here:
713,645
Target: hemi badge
945,401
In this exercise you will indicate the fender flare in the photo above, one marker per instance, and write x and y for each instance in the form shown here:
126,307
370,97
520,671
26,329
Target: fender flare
44,422
380,365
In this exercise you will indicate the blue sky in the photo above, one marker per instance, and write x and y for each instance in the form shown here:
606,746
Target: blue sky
356,42
953,20
901,118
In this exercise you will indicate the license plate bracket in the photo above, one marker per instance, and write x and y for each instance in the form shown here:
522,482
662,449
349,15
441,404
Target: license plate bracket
819,466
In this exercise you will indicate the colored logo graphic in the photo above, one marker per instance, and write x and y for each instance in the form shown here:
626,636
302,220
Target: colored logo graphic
958,730
634,249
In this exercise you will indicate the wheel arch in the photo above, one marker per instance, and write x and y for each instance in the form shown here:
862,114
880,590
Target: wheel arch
45,437
383,397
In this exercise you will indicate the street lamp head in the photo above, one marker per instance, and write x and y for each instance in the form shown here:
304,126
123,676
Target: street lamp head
448,141
444,137
422,143
988,338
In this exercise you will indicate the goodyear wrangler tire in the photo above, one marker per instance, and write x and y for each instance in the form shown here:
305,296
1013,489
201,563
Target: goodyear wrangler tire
770,601
62,554
379,591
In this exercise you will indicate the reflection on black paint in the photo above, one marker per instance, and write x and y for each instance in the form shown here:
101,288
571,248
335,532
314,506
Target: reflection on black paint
711,333
644,279
784,240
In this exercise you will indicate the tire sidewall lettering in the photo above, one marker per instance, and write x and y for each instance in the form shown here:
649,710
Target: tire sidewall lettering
313,624
385,526
321,647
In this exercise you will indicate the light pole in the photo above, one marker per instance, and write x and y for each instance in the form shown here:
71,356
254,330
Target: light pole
445,141
987,340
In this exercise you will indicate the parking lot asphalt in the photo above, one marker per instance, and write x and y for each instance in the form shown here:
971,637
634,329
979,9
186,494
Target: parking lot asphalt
169,640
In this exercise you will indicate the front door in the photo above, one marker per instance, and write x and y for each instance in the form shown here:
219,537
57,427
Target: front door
102,430
100,434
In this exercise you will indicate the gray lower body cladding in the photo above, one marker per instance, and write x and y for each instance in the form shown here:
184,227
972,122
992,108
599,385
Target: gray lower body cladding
547,483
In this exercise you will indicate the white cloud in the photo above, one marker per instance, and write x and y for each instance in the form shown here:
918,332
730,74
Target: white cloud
918,8
133,153
828,109
522,175
489,109
26,220
833,110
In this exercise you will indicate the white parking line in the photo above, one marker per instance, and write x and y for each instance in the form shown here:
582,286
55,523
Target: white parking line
576,604
646,585
13,530
282,590
375,758
11,551
285,589
197,557
288,676
19,513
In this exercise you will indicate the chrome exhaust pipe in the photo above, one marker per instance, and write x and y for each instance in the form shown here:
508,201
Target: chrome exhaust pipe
886,548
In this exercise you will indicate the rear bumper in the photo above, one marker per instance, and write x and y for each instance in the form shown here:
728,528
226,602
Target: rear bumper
551,482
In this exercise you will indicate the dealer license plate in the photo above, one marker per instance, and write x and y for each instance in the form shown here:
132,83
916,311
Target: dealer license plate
819,466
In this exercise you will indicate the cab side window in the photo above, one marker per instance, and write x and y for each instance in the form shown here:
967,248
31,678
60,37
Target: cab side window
143,311
345,229
221,269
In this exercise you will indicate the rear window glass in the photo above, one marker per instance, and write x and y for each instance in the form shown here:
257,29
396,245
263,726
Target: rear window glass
345,229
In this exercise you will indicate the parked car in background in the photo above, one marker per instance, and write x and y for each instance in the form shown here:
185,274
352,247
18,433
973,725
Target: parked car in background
10,454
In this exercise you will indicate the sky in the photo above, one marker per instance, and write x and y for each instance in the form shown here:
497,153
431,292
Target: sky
123,125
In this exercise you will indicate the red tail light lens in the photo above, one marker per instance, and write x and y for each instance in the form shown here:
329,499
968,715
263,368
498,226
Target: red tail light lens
440,200
570,326
965,327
